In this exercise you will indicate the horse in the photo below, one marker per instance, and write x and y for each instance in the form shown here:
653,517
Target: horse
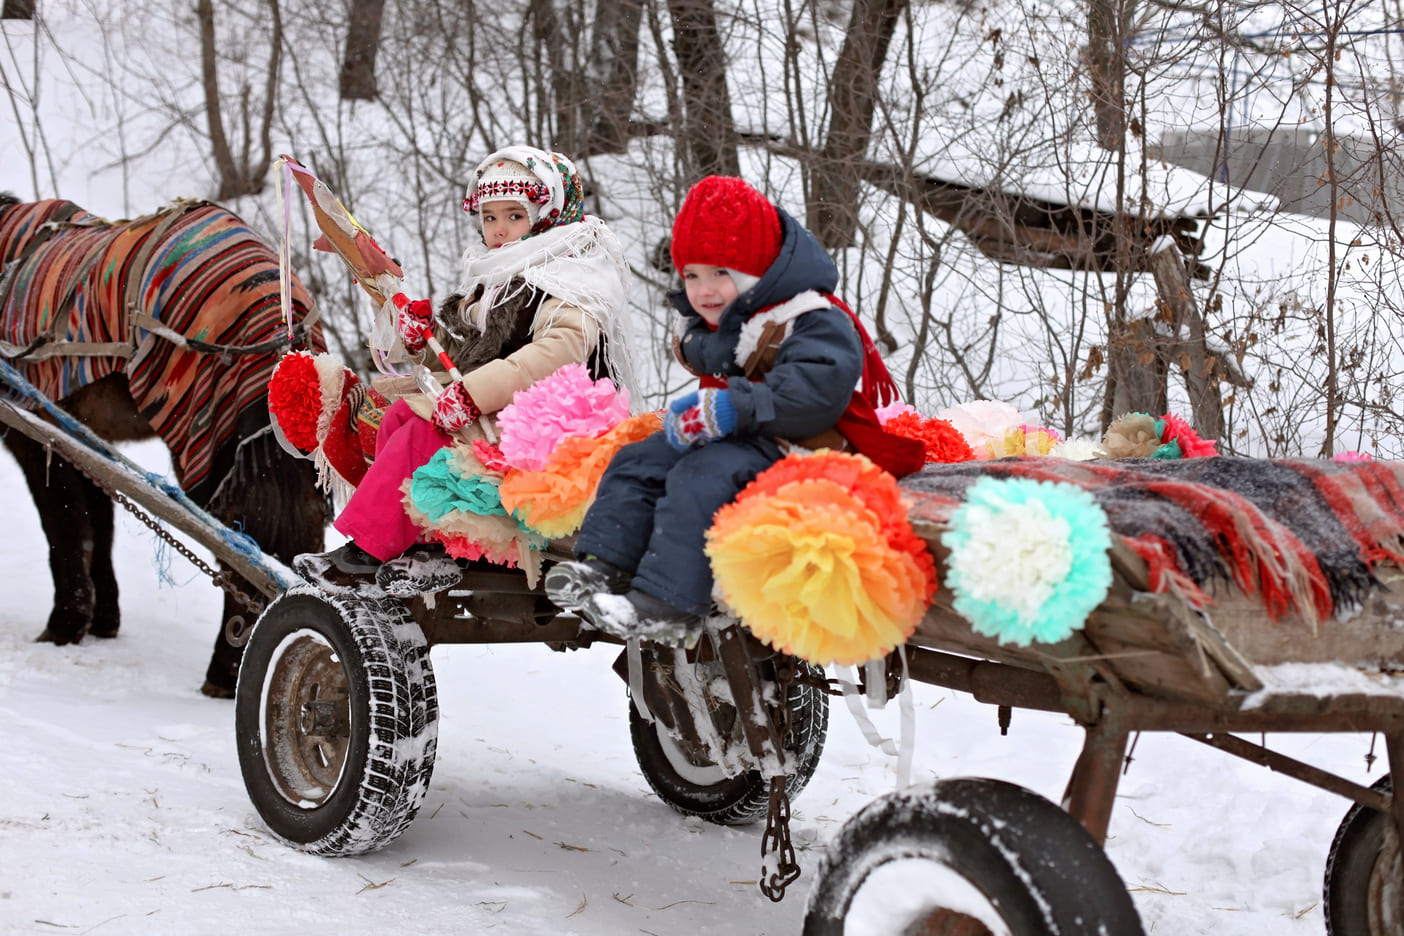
167,326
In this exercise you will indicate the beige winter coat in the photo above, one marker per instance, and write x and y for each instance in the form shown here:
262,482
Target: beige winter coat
569,336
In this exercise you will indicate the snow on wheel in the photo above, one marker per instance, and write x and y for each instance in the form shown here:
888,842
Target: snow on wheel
1364,886
337,719
714,776
967,856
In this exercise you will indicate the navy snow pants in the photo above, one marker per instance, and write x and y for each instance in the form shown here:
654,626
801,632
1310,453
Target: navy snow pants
654,506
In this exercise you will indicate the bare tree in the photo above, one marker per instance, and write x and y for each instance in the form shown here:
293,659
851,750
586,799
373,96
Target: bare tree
362,46
707,133
853,89
242,171
17,9
614,67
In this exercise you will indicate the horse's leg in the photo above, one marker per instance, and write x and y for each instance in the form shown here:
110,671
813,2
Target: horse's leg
60,494
107,615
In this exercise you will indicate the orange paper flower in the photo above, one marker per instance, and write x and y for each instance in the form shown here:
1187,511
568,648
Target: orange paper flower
817,558
553,500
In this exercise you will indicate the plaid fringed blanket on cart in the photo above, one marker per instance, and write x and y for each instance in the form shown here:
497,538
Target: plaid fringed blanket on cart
1305,535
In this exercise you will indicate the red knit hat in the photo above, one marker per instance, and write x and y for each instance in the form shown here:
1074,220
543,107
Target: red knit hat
724,222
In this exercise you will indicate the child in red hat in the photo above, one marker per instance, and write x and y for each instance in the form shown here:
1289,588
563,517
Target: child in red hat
783,365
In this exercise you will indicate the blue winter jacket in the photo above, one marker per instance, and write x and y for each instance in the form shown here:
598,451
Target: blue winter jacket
819,363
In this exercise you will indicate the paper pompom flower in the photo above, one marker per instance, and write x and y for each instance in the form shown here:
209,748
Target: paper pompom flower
895,408
490,455
553,501
817,558
567,403
459,504
1028,559
1138,435
1078,450
439,486
1174,431
1131,435
981,420
301,396
943,441
1022,440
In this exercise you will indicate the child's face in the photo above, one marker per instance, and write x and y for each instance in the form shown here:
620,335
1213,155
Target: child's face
710,289
503,222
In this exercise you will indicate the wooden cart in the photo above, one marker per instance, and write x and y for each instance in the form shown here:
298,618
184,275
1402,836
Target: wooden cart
336,717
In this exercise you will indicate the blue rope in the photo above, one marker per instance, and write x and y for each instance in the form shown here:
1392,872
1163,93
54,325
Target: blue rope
240,543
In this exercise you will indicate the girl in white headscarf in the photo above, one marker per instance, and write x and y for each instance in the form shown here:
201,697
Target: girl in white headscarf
543,285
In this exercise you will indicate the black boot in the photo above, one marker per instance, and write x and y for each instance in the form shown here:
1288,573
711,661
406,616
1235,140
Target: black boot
568,584
426,567
345,567
639,614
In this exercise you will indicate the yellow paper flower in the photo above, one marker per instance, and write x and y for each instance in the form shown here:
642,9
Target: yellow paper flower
823,568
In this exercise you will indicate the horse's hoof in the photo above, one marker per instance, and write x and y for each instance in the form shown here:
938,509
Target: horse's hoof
58,639
216,691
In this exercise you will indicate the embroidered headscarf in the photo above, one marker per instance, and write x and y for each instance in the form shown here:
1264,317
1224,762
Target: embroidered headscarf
567,254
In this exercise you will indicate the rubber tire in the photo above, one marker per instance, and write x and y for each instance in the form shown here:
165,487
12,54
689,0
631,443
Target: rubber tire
1356,850
1016,848
743,799
392,714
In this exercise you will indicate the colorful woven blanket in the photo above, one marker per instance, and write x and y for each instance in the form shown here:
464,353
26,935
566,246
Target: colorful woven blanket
1303,533
82,298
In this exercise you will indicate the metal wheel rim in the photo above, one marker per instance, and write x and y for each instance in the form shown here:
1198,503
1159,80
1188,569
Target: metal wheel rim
305,716
1386,887
698,775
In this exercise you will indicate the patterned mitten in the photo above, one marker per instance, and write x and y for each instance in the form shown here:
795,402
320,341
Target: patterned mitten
413,319
454,408
699,417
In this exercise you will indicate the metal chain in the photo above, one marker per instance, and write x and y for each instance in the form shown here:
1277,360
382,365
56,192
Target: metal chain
776,839
236,628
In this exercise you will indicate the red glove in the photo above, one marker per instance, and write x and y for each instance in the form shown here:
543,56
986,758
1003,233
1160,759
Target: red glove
413,319
454,408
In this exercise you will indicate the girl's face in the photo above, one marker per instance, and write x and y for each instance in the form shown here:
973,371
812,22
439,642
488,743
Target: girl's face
710,289
503,222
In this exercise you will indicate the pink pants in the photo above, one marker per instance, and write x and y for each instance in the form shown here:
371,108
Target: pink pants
375,516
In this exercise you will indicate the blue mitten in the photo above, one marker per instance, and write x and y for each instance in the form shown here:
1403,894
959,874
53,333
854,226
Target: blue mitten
699,417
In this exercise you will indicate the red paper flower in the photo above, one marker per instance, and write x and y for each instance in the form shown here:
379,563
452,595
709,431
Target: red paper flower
1191,445
943,441
295,399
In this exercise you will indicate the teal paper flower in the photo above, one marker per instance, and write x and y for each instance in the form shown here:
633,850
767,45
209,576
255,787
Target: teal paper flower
1028,559
436,489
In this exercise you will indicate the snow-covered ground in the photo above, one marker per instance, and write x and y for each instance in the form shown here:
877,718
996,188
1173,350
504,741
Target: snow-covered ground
122,810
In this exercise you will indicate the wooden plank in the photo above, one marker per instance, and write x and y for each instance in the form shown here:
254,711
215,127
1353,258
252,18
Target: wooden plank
1371,636
263,572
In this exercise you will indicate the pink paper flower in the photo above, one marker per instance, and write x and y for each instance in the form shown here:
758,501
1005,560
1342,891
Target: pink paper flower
567,403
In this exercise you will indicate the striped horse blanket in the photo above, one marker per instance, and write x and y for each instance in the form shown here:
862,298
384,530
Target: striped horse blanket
1304,534
186,302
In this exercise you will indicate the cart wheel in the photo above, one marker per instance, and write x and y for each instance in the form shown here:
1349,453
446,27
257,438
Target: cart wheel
694,784
968,856
1362,893
337,720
